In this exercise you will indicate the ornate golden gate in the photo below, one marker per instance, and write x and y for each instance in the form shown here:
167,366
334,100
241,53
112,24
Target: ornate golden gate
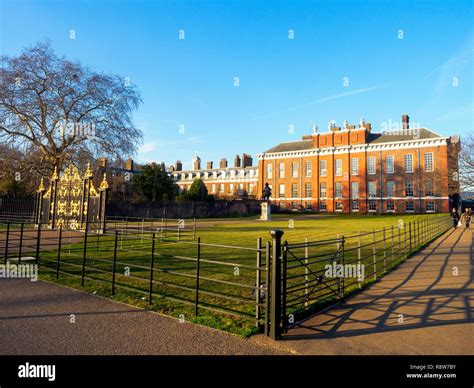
72,202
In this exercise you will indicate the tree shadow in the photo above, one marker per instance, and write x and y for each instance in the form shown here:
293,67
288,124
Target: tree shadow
395,304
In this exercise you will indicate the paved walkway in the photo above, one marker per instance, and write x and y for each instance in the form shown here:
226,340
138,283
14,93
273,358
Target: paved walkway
35,320
422,307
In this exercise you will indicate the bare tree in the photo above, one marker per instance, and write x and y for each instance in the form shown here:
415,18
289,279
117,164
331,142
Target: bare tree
64,111
466,163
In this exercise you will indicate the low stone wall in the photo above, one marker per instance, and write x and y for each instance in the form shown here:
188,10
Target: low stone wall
183,209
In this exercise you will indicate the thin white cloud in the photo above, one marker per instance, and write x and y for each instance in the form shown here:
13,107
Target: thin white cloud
320,100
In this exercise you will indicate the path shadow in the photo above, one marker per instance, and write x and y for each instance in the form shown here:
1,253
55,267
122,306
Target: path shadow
431,303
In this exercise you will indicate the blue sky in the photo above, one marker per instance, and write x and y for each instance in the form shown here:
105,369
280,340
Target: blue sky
346,61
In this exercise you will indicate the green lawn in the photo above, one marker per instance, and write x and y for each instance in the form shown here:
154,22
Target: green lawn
228,280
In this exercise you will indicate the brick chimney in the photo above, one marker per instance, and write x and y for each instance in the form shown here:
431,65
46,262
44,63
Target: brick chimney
196,163
405,121
209,165
129,164
179,165
223,163
237,161
246,160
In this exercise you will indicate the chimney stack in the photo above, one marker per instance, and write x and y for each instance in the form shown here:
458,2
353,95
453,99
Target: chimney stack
237,161
129,164
223,163
179,165
209,165
246,160
405,121
196,163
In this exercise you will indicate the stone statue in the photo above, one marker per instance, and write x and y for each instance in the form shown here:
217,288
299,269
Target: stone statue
267,193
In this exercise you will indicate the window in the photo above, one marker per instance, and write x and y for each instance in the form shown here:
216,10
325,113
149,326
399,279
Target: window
338,206
409,163
250,188
322,190
390,206
231,188
269,171
322,168
294,190
372,189
355,190
355,205
371,165
390,188
409,206
309,205
281,192
355,166
295,205
390,164
409,189
241,186
322,206
338,190
428,161
221,188
309,169
429,188
308,191
294,169
372,205
282,205
213,188
282,170
430,206
338,167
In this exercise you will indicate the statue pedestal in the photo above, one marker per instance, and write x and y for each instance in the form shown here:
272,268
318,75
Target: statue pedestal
266,213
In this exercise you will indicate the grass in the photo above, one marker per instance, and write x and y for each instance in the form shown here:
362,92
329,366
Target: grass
228,281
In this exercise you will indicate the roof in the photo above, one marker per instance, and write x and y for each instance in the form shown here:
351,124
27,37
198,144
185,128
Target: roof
402,135
373,138
292,146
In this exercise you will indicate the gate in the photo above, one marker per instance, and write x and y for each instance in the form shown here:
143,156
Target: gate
303,276
72,202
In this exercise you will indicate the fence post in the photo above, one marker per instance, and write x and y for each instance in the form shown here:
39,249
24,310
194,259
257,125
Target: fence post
152,265
115,262
306,273
359,257
409,235
21,243
59,251
393,253
399,247
258,281
267,288
283,304
275,320
6,242
194,229
84,252
384,250
38,243
338,252
198,262
374,254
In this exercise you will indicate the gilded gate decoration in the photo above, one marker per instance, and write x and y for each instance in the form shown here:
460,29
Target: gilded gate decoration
72,201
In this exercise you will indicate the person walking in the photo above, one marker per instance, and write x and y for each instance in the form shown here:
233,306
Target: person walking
467,218
455,218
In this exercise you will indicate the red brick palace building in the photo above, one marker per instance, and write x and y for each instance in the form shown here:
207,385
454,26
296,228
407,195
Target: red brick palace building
356,170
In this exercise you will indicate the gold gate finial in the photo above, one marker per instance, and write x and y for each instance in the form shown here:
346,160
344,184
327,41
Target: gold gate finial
88,173
104,185
41,186
55,173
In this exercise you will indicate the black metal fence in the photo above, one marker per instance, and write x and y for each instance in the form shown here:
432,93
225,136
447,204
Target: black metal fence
315,274
17,209
162,265
273,284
